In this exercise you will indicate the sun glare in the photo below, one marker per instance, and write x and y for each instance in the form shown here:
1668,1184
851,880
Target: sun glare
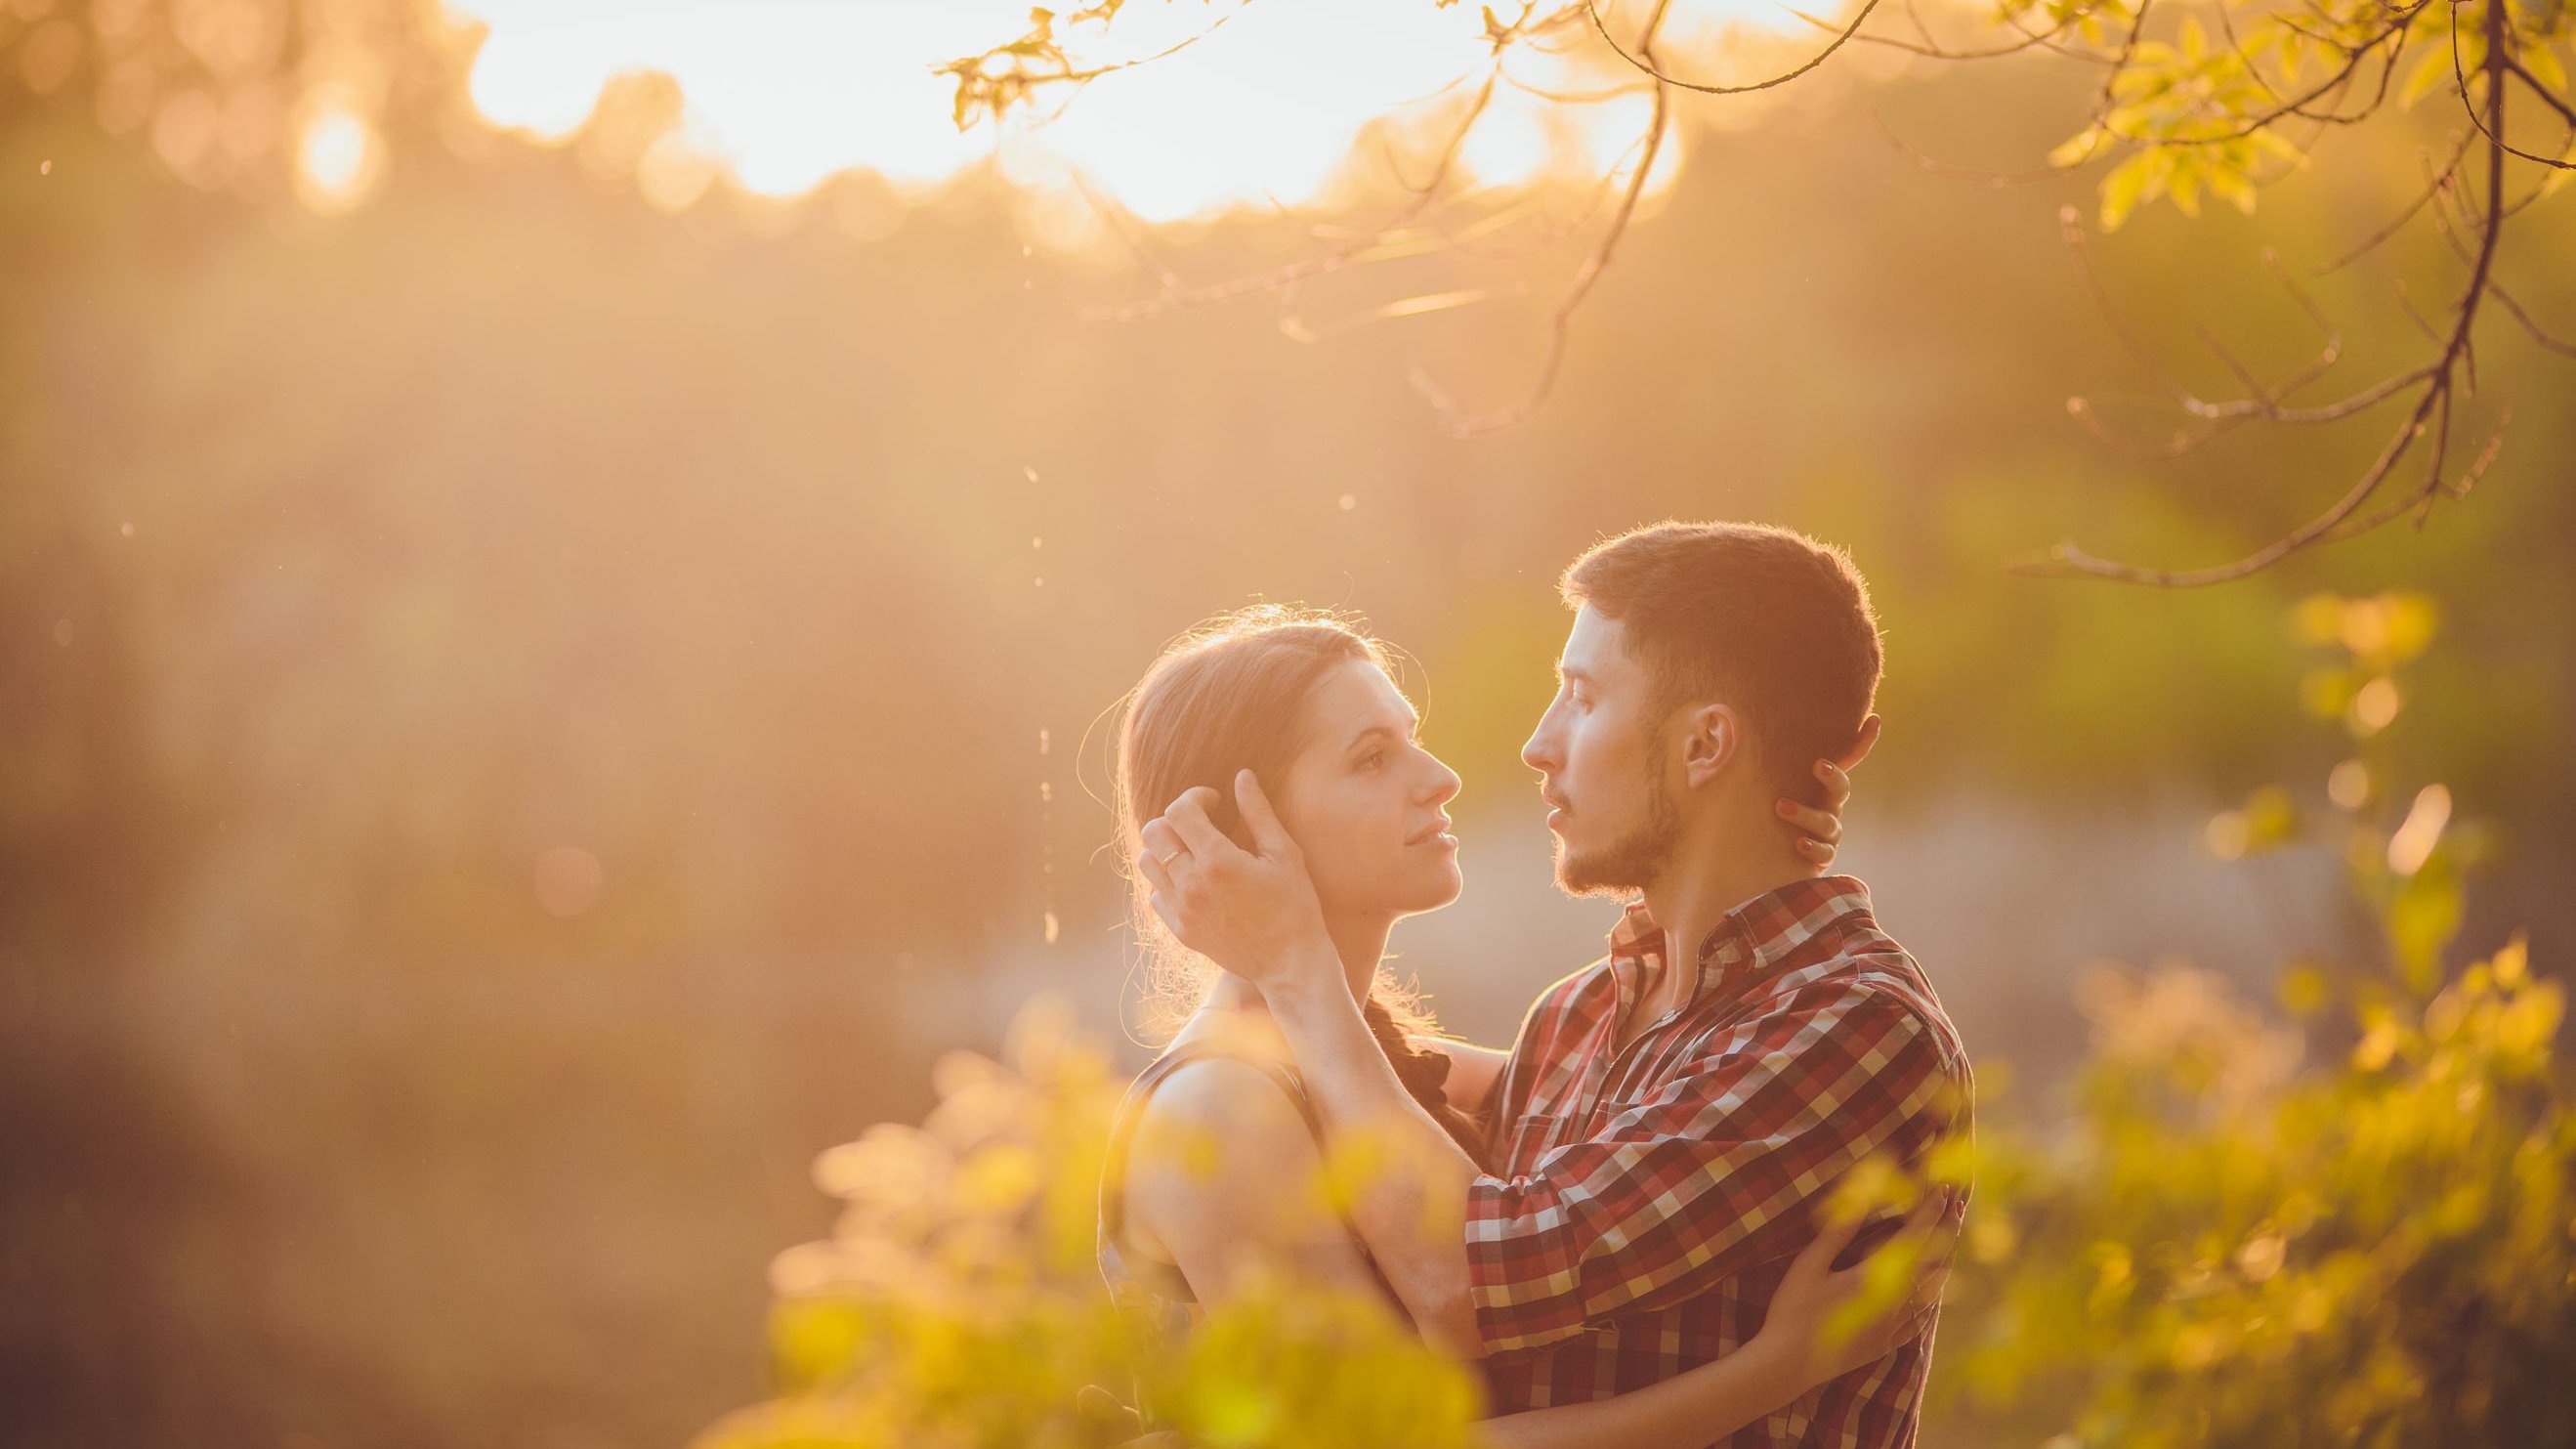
337,157
1265,109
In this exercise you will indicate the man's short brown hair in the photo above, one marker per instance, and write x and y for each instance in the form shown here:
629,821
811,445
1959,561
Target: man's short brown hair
1765,619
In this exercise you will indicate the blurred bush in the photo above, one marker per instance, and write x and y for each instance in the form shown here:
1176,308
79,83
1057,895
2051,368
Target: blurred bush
2352,1225
958,1302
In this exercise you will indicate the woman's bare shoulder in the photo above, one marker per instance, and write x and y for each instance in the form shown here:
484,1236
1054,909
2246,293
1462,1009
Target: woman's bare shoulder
1239,1100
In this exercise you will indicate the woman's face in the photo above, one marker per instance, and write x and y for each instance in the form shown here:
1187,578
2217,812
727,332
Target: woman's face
1364,799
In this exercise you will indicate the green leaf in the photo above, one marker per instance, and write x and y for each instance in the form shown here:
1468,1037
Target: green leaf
2185,185
2420,922
2409,621
2327,693
2232,185
2135,180
2432,71
2541,59
2078,148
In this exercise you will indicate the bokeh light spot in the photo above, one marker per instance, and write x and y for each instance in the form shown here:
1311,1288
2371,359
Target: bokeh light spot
337,159
568,881
47,58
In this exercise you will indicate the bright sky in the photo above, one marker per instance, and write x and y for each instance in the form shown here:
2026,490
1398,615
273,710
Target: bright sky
788,92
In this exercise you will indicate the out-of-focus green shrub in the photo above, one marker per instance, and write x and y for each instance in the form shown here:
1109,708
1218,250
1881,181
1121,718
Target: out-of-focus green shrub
2351,1225
958,1303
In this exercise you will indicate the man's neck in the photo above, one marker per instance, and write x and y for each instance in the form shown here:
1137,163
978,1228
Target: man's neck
1712,873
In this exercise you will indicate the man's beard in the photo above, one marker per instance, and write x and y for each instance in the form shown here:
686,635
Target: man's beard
1632,862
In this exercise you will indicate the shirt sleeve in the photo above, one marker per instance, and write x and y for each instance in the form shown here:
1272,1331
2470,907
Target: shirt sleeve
1711,1174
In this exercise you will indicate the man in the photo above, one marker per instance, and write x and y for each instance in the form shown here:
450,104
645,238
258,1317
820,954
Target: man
1671,1118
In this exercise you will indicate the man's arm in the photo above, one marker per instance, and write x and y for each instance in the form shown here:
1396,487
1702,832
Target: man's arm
1721,1170
1474,1071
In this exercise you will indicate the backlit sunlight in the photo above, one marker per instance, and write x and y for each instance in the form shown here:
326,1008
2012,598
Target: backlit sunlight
1264,110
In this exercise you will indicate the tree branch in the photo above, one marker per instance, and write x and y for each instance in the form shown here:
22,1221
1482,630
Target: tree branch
1643,58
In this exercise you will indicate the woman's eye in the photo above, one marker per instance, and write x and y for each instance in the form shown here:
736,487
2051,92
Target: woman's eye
1372,759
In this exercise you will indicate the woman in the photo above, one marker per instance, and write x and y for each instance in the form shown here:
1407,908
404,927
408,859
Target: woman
1209,1171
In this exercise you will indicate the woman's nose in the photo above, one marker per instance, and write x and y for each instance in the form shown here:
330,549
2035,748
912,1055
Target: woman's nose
1443,784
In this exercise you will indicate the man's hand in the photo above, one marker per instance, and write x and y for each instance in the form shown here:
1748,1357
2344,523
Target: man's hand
1252,912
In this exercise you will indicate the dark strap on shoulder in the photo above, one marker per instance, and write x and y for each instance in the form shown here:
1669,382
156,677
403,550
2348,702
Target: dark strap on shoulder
1131,1111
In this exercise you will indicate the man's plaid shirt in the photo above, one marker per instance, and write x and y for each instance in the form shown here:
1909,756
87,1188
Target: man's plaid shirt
1648,1198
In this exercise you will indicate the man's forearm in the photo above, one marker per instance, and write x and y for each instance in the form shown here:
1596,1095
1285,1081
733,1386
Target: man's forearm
1410,1207
1475,1072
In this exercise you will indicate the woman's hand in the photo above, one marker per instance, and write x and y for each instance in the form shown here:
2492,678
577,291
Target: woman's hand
1813,1289
1820,827
1252,912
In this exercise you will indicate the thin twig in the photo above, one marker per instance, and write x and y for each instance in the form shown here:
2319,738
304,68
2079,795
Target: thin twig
2440,378
1560,324
2459,148
1643,57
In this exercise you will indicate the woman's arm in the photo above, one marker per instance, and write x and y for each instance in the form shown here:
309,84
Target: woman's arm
1782,1362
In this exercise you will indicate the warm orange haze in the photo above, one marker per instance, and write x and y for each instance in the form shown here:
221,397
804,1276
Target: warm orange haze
569,569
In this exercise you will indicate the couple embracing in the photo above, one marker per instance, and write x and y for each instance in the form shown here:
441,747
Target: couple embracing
1622,1218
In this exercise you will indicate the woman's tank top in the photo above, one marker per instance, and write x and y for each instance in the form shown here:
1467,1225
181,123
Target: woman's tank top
1138,1280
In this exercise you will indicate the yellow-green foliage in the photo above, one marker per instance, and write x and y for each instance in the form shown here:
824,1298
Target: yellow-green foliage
957,1302
2223,1249
2354,1228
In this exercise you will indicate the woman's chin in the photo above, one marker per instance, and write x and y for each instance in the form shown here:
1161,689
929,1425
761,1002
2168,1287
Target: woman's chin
1441,888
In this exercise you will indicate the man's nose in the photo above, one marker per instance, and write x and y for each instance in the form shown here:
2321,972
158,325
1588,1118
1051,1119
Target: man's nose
1539,750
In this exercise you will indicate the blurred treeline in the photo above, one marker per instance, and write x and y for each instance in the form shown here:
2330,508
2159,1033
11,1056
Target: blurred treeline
350,566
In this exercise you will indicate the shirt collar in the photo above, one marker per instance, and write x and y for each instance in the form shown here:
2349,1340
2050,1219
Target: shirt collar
1749,940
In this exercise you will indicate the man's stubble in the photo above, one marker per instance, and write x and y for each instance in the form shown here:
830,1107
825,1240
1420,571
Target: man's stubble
1632,862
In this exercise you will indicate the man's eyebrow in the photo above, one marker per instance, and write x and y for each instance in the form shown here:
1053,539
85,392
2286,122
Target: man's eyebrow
1573,672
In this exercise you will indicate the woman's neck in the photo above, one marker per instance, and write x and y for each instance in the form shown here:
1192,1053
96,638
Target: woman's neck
1360,940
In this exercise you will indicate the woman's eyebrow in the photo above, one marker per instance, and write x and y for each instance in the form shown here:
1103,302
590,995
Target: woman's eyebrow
1362,737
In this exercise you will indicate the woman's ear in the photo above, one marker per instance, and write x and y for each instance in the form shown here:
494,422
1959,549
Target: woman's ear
1712,737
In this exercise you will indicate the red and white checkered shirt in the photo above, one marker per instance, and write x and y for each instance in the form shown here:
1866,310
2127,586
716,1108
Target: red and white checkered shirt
1648,1198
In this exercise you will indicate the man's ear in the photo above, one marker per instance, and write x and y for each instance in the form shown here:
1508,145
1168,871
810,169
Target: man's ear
1861,743
1712,739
